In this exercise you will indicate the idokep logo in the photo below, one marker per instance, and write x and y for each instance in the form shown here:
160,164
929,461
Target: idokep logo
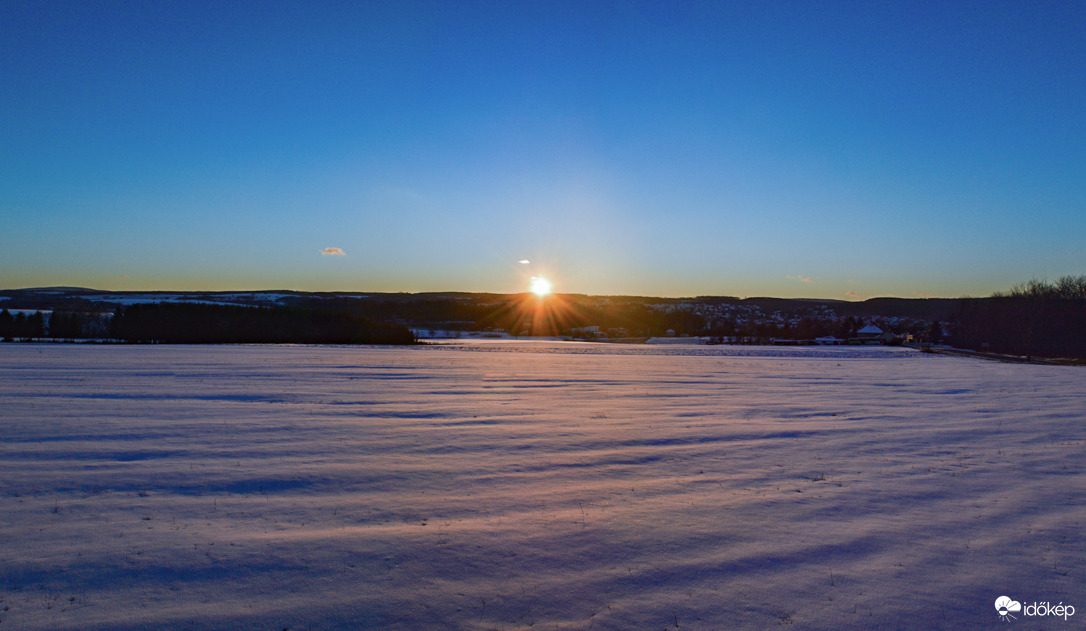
1006,607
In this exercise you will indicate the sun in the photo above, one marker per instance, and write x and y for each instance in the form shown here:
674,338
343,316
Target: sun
540,286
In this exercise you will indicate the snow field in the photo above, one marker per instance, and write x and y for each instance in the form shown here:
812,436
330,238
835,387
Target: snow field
533,485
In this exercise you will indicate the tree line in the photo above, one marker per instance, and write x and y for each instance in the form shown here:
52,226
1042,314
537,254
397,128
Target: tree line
1036,318
192,323
20,326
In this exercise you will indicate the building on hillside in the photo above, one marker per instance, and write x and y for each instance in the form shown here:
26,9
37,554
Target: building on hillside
870,334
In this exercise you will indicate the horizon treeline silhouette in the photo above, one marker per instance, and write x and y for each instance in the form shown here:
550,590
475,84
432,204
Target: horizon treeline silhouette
1035,318
193,323
21,325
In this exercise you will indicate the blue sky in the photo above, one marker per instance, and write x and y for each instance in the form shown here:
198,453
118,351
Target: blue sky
818,149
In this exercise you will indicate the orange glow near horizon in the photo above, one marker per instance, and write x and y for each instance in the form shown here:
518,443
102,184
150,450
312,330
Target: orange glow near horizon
540,286
536,315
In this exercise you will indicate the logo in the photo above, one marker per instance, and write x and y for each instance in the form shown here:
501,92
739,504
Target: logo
1006,608
1004,605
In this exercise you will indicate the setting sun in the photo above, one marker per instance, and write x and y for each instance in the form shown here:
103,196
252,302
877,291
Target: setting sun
540,286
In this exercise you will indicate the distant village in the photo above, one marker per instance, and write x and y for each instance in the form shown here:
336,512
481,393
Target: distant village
716,321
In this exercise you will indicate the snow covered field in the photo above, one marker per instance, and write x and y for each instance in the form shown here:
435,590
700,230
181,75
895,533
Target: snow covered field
535,485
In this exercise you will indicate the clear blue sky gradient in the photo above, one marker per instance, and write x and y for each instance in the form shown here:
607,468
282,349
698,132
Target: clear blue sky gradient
818,149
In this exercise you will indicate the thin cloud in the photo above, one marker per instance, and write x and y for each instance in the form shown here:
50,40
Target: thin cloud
333,251
852,294
524,261
806,279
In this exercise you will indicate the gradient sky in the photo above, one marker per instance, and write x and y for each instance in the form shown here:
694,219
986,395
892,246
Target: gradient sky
794,149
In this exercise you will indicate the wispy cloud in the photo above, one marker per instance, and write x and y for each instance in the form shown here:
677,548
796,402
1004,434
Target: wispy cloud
524,261
800,277
333,251
852,294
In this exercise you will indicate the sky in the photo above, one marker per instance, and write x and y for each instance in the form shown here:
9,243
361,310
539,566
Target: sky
795,149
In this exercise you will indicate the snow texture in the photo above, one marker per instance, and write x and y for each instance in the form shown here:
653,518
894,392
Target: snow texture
534,485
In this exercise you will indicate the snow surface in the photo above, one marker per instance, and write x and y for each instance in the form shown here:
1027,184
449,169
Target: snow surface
535,485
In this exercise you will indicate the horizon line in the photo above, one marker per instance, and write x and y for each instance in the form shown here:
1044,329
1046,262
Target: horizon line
68,288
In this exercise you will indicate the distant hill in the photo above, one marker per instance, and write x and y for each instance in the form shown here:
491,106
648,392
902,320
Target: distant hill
1021,323
48,298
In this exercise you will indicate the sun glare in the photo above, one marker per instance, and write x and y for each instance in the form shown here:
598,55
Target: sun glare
540,286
